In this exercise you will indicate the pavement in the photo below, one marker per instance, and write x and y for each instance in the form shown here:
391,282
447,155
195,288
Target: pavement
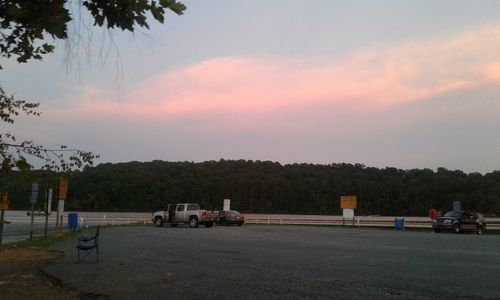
284,262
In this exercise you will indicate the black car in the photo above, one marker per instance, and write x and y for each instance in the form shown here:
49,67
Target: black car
460,221
228,217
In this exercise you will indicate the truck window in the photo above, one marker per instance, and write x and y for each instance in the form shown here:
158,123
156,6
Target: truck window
180,207
193,207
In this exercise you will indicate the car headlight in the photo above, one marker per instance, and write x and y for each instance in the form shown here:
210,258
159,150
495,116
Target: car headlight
434,221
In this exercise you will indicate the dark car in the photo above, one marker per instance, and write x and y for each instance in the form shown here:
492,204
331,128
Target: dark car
228,217
460,221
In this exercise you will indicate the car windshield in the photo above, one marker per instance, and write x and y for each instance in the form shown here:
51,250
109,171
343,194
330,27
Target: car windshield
453,214
233,212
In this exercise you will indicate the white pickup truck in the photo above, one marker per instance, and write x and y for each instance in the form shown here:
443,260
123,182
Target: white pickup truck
183,213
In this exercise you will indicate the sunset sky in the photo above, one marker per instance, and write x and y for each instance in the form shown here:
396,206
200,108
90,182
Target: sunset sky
406,84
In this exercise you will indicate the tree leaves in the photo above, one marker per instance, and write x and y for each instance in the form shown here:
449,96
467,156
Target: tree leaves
9,107
23,165
14,154
127,15
25,25
24,28
269,187
6,165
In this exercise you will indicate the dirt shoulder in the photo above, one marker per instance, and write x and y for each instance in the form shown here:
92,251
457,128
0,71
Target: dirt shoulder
21,277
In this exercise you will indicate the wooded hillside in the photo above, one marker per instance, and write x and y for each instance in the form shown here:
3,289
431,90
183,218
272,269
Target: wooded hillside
264,187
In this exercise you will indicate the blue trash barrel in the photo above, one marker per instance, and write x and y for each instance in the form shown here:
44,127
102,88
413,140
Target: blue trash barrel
73,220
399,223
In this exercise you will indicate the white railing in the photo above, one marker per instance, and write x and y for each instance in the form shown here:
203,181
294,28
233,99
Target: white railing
324,222
493,224
19,218
107,220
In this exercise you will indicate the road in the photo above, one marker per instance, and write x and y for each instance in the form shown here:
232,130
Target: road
284,262
19,227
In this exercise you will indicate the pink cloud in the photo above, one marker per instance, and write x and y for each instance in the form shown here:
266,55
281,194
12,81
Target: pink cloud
371,80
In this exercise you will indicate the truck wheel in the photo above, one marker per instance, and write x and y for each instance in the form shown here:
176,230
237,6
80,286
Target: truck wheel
193,222
158,221
209,224
479,229
174,224
456,228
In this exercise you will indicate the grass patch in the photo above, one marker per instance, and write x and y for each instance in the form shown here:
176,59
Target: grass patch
62,236
46,242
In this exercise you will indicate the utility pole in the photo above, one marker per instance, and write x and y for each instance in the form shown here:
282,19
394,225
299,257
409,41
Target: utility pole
34,198
4,205
48,210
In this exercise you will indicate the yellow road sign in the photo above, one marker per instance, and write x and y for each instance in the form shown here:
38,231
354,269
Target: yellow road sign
63,189
4,201
348,202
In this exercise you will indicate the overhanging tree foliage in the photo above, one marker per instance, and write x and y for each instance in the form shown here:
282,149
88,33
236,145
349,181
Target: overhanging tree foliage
17,154
26,25
28,30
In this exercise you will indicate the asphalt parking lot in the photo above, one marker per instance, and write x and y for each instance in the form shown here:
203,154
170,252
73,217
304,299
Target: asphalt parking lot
284,262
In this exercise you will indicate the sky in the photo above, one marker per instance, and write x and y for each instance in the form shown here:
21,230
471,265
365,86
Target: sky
387,83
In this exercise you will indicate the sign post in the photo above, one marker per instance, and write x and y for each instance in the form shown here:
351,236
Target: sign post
34,198
4,205
61,196
48,210
348,205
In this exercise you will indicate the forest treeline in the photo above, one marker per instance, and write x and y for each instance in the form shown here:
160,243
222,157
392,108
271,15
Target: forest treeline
263,187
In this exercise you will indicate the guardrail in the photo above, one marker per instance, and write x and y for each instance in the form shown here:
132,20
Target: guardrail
358,222
112,221
18,229
101,220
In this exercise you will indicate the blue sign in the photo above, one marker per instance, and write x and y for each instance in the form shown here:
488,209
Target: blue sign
34,193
